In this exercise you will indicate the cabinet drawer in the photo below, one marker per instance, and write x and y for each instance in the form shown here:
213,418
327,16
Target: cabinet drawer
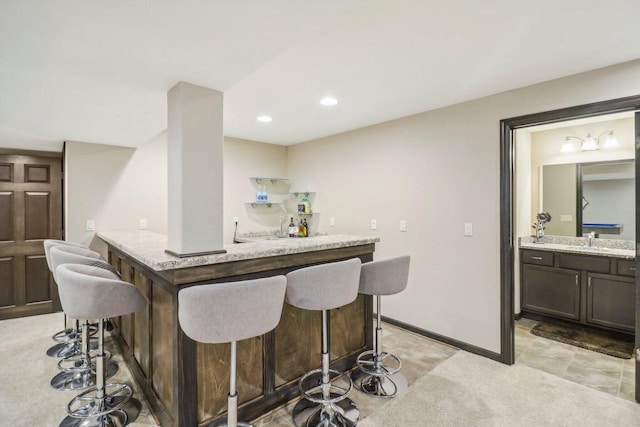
537,257
627,267
597,264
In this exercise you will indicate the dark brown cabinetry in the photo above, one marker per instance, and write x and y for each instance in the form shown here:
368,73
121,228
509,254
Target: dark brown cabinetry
611,301
588,289
552,291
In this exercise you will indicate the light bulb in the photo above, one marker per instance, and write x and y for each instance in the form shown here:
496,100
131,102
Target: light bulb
589,143
568,146
612,141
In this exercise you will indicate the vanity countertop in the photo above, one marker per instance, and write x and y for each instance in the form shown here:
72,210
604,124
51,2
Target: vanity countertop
149,248
579,245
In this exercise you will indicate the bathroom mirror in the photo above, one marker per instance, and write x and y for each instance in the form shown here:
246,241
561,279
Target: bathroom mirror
590,197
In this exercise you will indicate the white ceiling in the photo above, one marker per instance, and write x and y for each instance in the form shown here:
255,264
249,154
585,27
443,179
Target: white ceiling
99,71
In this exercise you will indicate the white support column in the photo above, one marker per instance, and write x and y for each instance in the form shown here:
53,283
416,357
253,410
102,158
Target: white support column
195,188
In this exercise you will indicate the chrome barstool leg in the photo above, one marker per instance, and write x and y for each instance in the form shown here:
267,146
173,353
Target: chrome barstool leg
327,404
78,370
374,377
104,405
232,398
72,346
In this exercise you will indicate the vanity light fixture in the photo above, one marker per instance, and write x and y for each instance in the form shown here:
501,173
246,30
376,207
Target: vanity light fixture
264,119
590,143
328,101
568,146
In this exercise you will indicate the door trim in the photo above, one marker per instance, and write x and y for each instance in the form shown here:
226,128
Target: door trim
507,169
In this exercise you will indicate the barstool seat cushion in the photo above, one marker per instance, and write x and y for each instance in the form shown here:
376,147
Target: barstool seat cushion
74,255
385,277
232,311
88,292
324,286
49,243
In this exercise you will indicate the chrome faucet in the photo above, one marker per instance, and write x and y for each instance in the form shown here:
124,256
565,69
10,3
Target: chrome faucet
590,237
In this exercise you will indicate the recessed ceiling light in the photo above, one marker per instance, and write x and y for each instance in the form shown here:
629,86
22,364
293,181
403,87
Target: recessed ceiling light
328,101
264,119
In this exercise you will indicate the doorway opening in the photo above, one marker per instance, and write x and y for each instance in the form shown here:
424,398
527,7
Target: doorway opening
515,225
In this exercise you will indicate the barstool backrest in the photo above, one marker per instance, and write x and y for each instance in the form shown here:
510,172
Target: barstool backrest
88,292
49,243
324,286
385,277
233,311
73,255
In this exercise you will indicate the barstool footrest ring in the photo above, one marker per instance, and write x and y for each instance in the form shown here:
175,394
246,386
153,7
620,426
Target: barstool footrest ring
336,392
88,405
368,364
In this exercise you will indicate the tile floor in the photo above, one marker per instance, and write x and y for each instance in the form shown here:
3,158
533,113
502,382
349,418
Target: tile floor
605,373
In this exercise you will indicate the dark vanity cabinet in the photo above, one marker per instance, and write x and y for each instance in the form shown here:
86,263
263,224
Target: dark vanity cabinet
588,289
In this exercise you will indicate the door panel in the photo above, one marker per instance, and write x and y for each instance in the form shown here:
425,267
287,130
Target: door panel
36,215
30,212
7,297
37,279
6,216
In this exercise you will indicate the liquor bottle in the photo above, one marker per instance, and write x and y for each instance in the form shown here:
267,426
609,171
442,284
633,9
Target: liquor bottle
307,206
303,229
306,228
293,230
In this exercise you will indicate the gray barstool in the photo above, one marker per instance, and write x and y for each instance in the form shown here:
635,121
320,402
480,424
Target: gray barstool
68,338
89,292
78,367
325,287
379,373
230,312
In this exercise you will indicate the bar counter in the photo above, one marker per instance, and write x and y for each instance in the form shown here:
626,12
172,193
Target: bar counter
186,383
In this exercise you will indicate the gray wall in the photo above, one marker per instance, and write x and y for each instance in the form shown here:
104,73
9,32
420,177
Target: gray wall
438,170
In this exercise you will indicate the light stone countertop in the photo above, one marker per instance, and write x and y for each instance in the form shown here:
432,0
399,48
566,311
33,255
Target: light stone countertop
149,248
579,245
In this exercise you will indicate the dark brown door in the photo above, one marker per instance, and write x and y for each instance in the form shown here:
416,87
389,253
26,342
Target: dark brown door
30,211
637,346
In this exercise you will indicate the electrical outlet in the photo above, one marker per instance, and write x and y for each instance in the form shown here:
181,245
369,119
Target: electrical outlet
403,225
235,219
91,225
374,224
332,221
143,224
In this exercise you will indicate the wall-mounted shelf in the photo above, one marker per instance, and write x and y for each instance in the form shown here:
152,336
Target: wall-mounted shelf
302,193
303,213
267,204
259,179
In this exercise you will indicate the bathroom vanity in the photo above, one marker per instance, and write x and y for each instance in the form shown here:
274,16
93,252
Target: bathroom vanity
569,280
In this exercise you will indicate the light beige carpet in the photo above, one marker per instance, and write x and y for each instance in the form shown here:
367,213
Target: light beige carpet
26,398
468,390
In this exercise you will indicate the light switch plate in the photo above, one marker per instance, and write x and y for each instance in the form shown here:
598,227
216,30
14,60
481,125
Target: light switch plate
332,221
403,225
374,224
468,229
91,225
143,223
